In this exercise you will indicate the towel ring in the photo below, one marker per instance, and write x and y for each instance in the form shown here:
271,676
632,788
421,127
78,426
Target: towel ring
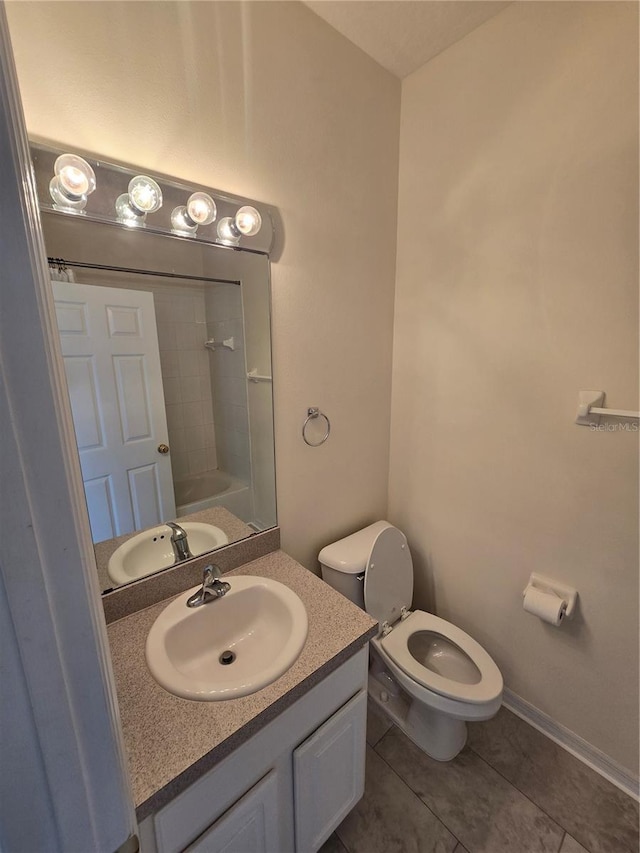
312,413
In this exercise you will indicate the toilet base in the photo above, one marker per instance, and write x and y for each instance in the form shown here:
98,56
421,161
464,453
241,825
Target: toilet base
438,735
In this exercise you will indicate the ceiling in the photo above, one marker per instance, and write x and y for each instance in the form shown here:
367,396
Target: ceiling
401,35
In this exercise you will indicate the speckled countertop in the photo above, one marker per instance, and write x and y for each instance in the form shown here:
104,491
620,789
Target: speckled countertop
171,741
218,516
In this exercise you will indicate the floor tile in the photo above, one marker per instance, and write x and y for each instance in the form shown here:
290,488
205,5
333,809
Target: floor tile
377,724
390,818
460,849
485,812
333,845
570,845
596,813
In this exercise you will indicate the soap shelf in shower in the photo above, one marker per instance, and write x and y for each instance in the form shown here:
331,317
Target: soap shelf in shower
228,343
254,376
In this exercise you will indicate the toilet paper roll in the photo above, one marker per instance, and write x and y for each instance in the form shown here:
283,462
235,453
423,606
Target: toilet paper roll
545,605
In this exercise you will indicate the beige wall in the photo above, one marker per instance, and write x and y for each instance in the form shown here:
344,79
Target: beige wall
262,99
517,286
517,279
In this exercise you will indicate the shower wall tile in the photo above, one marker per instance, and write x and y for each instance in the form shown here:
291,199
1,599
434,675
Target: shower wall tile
177,442
172,391
166,337
207,411
182,331
197,461
203,367
179,465
209,435
193,414
175,417
228,379
169,364
188,363
190,389
185,336
194,436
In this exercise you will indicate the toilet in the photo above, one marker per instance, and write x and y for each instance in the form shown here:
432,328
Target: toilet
426,675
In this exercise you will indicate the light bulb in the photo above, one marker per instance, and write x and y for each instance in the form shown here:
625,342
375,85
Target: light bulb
181,222
144,194
227,230
248,221
201,209
73,181
126,212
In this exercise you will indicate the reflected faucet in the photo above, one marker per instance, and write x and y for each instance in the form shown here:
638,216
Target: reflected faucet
212,587
179,542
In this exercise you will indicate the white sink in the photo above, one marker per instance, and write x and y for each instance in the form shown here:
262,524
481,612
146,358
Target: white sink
151,550
261,622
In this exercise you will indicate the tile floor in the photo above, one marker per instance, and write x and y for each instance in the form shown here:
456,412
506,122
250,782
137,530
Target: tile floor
511,790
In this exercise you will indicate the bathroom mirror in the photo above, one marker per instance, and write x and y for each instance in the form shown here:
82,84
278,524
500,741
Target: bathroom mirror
167,350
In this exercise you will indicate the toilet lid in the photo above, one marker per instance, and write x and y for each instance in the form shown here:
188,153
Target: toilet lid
388,580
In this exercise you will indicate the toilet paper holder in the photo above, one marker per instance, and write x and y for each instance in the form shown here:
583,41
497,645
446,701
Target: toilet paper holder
567,593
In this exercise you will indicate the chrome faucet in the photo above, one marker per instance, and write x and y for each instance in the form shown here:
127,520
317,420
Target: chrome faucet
179,542
212,587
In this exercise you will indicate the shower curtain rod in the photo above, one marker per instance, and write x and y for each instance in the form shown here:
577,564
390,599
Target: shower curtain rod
61,264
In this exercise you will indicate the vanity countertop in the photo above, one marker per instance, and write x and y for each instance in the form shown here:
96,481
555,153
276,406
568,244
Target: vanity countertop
170,741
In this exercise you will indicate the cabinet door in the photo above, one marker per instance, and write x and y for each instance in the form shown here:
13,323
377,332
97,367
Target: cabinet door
249,826
329,774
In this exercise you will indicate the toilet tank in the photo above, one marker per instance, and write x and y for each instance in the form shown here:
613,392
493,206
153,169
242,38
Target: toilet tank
343,563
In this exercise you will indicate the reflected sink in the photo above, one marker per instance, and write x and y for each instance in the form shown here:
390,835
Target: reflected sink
151,550
260,625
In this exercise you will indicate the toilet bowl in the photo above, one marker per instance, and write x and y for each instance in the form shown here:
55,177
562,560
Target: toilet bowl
426,674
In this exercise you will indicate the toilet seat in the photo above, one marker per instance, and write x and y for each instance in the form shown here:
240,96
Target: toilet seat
395,646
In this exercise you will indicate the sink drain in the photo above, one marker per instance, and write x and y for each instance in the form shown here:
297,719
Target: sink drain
227,657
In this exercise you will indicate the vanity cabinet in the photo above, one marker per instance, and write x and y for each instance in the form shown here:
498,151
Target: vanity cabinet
328,773
286,788
250,826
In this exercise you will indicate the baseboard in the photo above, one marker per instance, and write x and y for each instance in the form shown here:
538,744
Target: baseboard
573,743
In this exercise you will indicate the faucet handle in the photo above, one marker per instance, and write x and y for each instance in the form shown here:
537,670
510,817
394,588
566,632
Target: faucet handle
211,573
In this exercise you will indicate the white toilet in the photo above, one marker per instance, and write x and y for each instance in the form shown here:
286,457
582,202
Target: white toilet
427,675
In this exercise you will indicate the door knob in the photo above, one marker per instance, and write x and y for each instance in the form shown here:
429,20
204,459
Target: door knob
163,448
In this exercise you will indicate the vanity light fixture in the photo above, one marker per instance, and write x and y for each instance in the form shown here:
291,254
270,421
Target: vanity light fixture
125,197
200,209
74,180
143,196
246,223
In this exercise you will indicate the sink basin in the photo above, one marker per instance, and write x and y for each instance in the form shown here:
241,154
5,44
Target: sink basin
151,550
260,625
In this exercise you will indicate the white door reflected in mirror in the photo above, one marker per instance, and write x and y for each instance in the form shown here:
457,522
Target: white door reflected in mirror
112,361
